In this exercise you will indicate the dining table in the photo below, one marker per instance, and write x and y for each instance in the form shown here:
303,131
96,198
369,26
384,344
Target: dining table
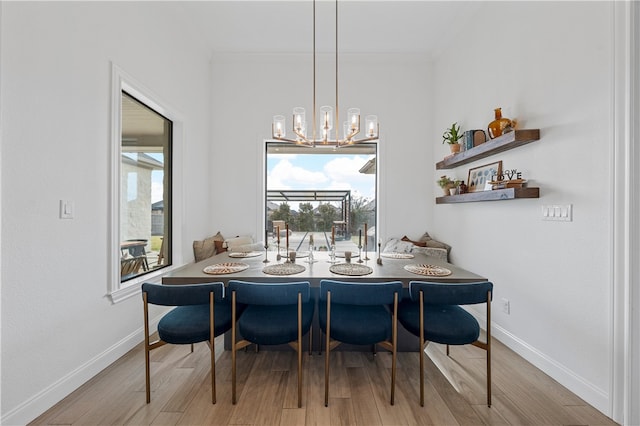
250,266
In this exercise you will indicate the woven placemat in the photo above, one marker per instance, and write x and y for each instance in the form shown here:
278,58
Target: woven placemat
283,269
225,268
397,255
245,254
430,270
352,269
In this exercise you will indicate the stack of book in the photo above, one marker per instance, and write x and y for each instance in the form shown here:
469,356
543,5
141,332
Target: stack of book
513,183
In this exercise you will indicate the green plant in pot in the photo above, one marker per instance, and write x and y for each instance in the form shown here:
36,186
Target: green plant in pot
451,136
445,182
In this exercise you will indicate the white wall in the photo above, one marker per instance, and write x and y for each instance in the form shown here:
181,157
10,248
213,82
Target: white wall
55,94
523,56
250,89
58,327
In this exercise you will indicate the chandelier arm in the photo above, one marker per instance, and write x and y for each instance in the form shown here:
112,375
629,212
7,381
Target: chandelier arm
294,141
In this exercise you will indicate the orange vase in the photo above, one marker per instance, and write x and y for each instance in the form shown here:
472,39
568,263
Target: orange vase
500,125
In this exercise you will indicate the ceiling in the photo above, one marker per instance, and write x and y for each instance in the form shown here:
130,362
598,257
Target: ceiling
415,27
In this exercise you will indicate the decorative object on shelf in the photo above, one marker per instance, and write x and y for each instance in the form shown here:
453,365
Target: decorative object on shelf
286,268
322,136
463,189
452,136
499,125
480,176
430,270
352,269
510,183
473,138
225,268
506,180
445,183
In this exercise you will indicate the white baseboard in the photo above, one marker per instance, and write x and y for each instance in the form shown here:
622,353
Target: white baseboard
593,395
54,393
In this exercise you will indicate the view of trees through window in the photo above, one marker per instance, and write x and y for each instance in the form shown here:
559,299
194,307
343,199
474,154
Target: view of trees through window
317,189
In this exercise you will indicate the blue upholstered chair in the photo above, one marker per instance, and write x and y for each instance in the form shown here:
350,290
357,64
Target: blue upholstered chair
433,313
359,313
275,314
200,314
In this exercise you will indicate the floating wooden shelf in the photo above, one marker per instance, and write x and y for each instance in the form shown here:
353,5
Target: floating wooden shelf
502,143
495,195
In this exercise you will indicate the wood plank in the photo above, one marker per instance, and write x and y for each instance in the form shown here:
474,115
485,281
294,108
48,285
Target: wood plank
378,369
364,406
342,411
293,417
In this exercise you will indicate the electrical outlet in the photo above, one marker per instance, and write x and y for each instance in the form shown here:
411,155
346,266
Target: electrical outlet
506,307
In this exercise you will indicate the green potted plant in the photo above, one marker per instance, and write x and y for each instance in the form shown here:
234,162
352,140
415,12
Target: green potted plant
445,182
451,136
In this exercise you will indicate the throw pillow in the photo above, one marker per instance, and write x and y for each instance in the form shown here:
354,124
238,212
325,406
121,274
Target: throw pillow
219,241
430,242
417,243
204,249
395,245
233,243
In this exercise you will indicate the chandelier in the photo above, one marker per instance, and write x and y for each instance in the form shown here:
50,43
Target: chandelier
322,136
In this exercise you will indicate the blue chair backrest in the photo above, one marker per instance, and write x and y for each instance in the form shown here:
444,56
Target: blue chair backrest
359,293
253,293
180,295
451,293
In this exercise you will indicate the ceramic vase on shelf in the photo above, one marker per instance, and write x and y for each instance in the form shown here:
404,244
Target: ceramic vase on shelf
500,125
455,147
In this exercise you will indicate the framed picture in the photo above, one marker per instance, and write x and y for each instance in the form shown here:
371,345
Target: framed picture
479,176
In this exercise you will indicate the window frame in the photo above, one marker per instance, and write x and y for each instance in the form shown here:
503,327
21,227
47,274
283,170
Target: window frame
380,152
121,81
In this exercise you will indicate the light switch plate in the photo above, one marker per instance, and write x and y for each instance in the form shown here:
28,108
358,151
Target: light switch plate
67,209
558,212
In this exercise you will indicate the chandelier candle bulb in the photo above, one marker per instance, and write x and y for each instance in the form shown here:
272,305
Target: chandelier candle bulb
372,126
278,126
354,118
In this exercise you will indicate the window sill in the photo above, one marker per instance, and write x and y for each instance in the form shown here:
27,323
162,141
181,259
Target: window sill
132,287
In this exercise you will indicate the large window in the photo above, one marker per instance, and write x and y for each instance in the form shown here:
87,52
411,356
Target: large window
322,190
145,195
146,157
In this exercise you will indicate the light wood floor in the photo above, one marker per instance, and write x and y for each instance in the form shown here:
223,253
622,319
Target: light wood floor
359,391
